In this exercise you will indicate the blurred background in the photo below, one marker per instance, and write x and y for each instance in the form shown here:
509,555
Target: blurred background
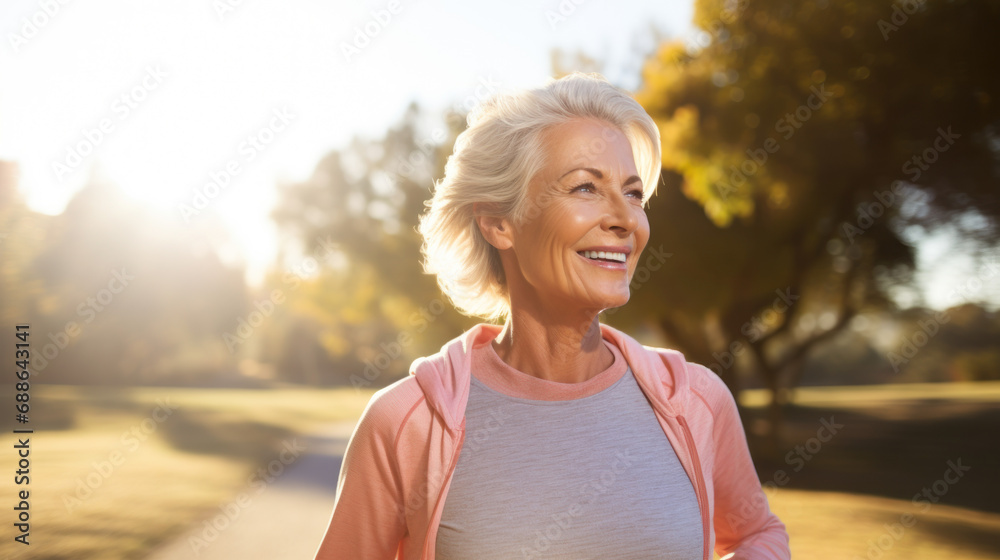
207,216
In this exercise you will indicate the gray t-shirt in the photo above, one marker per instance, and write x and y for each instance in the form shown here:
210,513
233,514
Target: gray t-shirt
585,473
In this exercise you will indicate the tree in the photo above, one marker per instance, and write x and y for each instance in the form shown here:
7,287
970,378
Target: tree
127,297
364,201
22,234
806,148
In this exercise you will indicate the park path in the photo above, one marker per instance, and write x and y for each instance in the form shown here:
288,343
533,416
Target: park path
285,521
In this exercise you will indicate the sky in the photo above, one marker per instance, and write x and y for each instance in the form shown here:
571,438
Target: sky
201,106
224,97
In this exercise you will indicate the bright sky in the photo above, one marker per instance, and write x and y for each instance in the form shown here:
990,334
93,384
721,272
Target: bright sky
173,95
180,85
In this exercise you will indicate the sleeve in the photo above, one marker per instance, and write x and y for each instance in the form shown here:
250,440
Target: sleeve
368,521
745,527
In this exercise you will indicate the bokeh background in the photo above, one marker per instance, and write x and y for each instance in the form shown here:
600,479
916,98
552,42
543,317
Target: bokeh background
207,215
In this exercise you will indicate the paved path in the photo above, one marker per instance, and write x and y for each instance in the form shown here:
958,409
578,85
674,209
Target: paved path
284,521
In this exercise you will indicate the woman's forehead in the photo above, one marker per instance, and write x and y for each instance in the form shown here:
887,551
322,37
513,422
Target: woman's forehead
587,144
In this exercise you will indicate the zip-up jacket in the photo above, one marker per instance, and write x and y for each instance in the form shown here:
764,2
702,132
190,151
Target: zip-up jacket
399,461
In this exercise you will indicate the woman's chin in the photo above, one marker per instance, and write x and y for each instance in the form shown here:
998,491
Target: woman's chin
611,301
614,306
592,301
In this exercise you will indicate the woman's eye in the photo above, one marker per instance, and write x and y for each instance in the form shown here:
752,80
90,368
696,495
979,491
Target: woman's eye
636,193
588,186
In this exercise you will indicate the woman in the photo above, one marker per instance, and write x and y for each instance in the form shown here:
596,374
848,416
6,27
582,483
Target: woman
553,436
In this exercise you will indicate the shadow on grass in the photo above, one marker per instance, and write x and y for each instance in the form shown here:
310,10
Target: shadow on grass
894,449
54,417
208,433
971,538
121,399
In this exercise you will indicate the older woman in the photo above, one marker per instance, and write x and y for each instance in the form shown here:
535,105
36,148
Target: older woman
553,436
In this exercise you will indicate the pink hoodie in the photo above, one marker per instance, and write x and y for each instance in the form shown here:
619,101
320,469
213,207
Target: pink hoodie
399,462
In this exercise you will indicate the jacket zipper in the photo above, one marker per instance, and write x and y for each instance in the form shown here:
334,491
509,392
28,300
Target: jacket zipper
699,477
431,525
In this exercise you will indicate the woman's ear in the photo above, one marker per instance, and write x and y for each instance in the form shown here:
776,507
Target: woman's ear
497,230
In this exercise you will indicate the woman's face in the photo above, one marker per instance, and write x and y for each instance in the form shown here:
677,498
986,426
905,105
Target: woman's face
585,225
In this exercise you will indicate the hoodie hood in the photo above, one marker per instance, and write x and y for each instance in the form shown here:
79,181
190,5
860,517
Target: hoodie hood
445,377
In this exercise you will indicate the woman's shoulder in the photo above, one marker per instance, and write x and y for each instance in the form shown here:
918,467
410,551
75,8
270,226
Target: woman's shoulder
390,406
674,369
697,375
701,381
705,380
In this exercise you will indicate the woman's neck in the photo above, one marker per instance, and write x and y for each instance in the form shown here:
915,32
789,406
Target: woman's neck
567,351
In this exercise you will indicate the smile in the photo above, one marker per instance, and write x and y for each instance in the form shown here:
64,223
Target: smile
603,256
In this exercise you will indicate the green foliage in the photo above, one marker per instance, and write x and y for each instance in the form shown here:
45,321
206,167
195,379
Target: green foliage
371,310
22,235
118,294
962,348
806,146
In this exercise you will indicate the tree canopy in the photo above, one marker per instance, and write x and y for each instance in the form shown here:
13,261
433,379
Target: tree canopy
807,147
822,140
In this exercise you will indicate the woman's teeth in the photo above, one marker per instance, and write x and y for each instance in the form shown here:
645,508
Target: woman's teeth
618,257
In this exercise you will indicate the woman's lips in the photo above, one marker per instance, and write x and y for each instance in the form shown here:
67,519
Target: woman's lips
610,265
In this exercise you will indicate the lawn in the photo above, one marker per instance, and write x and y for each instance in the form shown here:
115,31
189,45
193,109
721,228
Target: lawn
844,526
846,497
114,472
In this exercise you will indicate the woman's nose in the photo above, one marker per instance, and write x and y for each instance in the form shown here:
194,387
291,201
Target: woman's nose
619,214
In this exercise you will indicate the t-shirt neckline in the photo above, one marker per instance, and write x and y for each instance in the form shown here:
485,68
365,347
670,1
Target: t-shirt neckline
493,372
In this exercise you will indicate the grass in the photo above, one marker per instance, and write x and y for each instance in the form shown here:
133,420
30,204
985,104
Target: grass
867,395
895,441
845,526
115,471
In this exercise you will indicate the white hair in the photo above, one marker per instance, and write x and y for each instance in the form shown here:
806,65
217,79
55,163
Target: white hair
493,162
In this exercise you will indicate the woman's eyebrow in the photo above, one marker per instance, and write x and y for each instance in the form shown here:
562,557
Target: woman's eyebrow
591,170
597,173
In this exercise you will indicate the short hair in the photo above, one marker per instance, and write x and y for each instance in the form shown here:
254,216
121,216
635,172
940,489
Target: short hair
494,161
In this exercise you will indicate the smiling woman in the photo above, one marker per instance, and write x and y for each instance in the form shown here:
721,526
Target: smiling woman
552,435
580,252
